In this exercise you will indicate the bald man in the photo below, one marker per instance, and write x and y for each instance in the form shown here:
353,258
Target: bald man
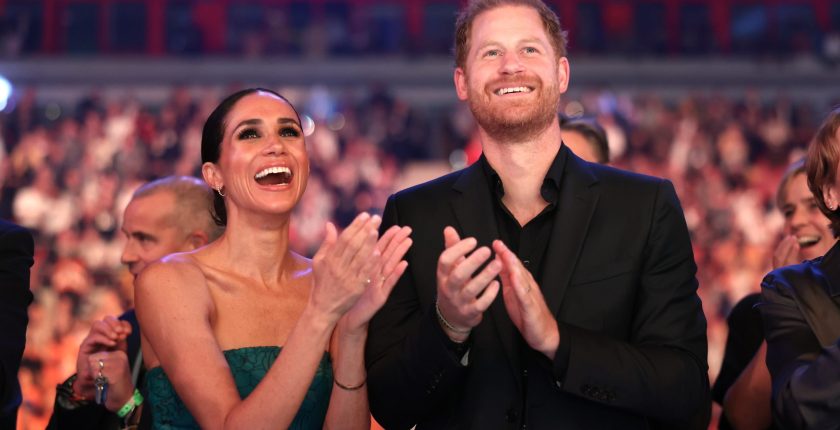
169,215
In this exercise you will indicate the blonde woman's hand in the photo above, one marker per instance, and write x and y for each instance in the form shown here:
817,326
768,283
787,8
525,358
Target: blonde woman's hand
345,265
786,252
392,246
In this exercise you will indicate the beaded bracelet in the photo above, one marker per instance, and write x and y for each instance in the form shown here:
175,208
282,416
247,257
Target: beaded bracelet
132,403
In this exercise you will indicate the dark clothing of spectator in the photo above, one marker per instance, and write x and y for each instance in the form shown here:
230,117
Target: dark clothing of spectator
801,312
746,333
16,257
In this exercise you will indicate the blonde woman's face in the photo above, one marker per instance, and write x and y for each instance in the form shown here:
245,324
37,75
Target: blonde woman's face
804,220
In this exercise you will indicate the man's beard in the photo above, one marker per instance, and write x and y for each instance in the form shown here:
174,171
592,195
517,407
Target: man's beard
516,122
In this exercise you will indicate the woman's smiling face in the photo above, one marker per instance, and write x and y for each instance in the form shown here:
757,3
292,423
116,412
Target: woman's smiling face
263,164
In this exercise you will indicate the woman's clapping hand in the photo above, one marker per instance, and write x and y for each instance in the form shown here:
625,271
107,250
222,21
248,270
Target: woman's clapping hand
392,246
345,265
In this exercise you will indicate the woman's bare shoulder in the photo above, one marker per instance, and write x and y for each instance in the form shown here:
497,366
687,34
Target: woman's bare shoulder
178,266
174,277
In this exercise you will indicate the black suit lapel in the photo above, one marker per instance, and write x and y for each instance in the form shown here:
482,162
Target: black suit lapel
473,206
577,201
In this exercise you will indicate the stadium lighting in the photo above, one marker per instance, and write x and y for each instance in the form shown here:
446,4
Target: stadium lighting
5,91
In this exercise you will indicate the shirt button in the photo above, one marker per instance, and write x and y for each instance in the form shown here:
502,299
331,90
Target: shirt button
527,263
559,384
511,416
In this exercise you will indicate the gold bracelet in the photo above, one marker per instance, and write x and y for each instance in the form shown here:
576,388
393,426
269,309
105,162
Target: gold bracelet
349,387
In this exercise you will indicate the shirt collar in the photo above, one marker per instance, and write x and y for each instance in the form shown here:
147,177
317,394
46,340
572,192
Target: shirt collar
550,189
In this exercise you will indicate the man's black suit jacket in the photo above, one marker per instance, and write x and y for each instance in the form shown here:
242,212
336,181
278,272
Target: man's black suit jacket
16,251
801,312
619,275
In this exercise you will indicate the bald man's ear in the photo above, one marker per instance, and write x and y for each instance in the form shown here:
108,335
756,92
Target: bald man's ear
197,239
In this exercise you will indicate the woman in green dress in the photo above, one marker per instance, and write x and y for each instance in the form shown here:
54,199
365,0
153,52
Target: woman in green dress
245,333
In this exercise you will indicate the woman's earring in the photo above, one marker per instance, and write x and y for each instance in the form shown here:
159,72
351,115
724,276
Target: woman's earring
219,190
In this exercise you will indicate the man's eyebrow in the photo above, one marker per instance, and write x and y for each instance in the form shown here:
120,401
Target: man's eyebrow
141,234
486,44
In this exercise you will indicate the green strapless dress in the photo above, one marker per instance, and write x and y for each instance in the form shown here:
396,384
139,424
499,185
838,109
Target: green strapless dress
248,365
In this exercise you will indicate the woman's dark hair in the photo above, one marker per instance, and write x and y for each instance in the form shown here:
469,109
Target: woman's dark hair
213,134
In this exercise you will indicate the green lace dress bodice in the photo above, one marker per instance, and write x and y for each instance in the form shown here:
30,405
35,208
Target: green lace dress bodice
248,365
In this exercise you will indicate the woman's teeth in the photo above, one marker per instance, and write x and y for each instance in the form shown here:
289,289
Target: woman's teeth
806,241
274,176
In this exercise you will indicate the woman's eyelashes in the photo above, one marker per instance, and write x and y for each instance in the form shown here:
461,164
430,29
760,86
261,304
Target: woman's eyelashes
248,133
289,132
253,133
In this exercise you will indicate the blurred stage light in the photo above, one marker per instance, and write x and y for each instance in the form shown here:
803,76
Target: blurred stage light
458,159
5,92
52,111
574,109
308,125
336,122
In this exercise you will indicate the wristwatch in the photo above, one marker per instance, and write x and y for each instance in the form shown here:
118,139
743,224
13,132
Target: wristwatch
66,397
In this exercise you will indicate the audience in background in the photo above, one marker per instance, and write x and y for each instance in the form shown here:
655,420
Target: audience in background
586,139
724,155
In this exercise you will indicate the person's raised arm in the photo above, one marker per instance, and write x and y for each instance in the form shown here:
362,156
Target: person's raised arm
349,407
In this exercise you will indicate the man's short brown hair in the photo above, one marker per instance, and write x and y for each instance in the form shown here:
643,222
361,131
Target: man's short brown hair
821,165
463,24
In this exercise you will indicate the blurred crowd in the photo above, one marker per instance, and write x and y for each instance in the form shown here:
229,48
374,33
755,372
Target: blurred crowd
67,173
768,30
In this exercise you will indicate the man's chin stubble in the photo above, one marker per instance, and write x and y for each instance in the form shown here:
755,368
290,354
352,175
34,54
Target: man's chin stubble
504,129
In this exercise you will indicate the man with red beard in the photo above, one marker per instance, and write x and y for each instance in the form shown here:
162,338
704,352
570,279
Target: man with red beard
542,291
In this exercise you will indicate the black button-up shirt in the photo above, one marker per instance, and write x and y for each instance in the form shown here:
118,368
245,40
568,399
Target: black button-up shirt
528,242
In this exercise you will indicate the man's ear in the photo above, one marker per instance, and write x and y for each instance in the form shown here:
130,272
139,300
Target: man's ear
563,74
197,239
212,176
461,87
